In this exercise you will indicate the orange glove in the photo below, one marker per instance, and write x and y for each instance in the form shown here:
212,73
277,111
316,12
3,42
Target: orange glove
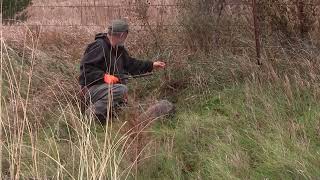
110,79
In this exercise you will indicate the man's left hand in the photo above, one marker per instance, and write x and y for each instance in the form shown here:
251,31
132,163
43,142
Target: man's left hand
159,65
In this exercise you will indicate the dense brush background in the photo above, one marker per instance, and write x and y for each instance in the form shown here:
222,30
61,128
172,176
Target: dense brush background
234,119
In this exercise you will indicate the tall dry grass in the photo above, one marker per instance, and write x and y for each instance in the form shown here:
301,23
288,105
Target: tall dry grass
45,134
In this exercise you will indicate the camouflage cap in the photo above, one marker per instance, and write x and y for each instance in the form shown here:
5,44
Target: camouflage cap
118,25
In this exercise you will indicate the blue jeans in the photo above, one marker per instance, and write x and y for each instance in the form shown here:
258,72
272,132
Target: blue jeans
104,98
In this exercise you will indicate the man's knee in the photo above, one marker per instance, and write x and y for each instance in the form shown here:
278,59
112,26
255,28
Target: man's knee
120,94
100,96
120,89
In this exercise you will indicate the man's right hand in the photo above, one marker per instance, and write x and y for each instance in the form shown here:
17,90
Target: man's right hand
110,79
159,65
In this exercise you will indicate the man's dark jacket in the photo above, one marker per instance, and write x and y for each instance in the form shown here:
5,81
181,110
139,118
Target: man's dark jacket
101,58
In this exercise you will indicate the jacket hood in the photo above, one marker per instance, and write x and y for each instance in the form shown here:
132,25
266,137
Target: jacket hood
106,39
101,35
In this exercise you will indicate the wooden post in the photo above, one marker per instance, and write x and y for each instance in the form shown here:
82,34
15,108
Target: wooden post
256,31
81,13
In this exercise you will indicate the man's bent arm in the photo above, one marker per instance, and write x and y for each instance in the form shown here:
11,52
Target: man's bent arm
135,67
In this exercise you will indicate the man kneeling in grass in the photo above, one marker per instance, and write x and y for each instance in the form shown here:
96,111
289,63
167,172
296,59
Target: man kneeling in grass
103,66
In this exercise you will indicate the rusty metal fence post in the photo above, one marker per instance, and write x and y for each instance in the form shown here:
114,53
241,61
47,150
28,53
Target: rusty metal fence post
256,31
